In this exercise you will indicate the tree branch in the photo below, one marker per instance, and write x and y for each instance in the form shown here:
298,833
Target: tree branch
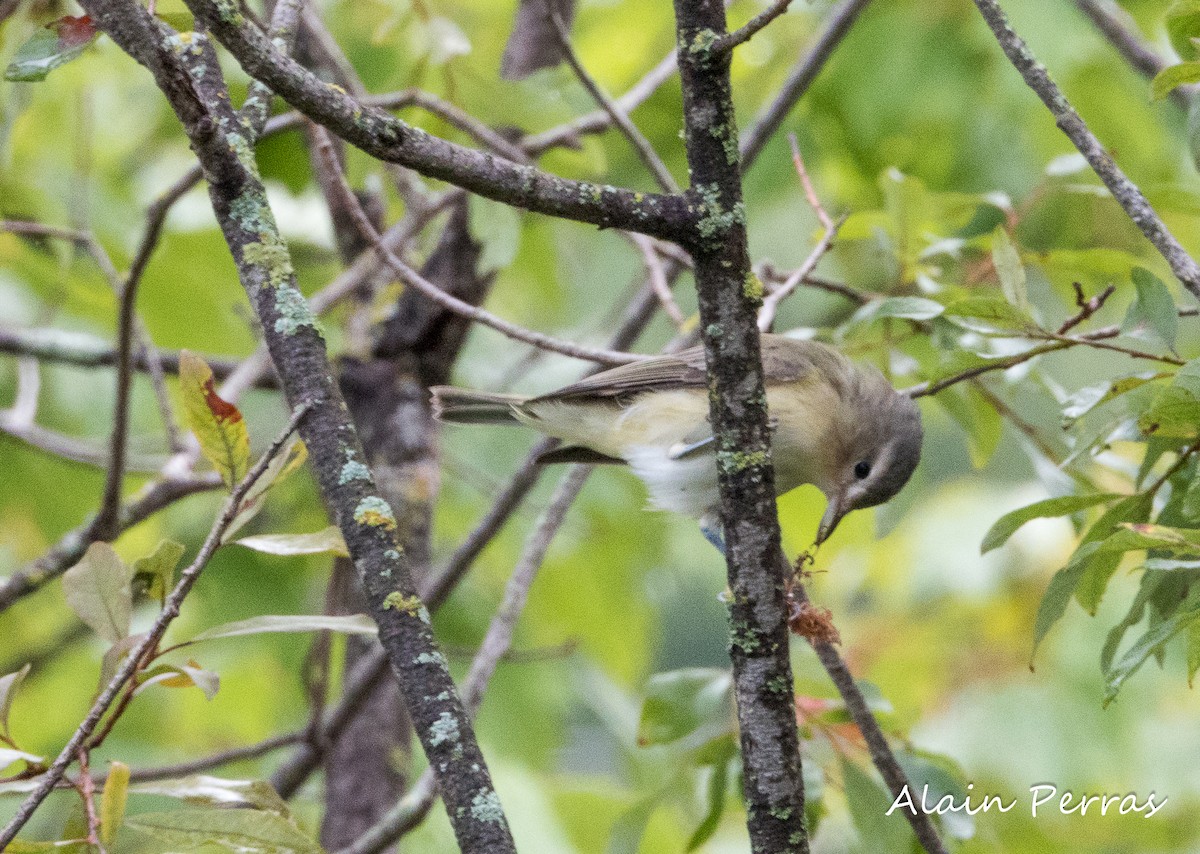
1116,26
762,674
189,75
153,636
767,122
1124,191
641,145
387,138
729,41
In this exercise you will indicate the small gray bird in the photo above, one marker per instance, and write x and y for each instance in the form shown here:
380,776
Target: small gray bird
835,424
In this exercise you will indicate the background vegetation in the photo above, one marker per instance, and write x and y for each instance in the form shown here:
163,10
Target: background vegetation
924,137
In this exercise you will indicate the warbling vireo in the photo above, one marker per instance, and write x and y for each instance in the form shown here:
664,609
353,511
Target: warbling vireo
837,425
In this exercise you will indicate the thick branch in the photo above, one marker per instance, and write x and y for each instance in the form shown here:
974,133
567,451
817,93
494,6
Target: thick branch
772,779
1124,191
388,138
196,93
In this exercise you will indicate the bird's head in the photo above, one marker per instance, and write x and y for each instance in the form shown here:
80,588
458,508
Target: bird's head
875,447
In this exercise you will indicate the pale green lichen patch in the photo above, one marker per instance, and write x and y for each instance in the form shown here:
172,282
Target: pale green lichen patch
752,287
726,134
274,259
444,729
431,658
732,462
376,512
353,470
701,44
229,12
294,314
251,212
485,806
714,220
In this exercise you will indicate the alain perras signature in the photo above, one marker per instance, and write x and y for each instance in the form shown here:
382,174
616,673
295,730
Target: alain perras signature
1040,795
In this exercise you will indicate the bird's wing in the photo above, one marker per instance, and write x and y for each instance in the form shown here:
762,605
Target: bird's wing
682,370
784,360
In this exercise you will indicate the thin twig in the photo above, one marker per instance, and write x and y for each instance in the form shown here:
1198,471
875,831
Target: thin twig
601,120
1124,191
810,193
767,122
464,309
881,752
729,41
155,634
195,766
1118,27
641,145
87,792
771,301
656,275
1087,306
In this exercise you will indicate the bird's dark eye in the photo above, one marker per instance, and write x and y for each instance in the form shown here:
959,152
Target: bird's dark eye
862,469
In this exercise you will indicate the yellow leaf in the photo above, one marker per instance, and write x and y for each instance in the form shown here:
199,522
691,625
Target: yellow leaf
112,803
218,424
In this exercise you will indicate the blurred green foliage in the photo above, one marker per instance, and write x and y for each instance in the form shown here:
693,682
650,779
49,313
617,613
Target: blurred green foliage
959,192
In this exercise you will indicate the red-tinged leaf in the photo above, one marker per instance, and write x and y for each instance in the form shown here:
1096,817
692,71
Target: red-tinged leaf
56,45
218,424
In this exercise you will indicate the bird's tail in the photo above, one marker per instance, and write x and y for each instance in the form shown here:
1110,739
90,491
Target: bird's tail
464,406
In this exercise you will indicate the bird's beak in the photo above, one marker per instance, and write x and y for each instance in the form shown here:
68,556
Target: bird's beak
834,512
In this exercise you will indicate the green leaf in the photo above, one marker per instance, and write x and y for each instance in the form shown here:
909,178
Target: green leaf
1174,414
1150,583
217,424
1193,651
156,571
995,313
1009,269
1183,25
190,675
1099,570
98,590
681,703
869,803
235,829
1148,644
1173,76
1009,523
326,541
9,685
717,793
1135,537
55,45
203,790
112,802
352,624
1154,307
911,308
1088,398
1058,594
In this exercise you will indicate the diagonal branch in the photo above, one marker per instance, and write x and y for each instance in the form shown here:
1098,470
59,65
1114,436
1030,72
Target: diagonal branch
1124,191
637,139
136,656
187,72
387,138
767,122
